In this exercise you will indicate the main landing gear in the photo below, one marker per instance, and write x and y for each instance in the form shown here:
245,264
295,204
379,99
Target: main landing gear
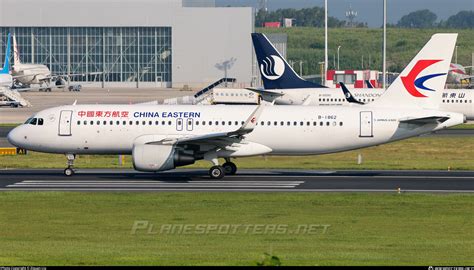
218,172
69,171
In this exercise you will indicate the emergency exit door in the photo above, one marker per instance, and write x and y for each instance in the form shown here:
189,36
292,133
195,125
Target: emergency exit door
65,123
366,125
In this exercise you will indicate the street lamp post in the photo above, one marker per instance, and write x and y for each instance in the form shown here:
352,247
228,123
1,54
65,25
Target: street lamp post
456,55
338,48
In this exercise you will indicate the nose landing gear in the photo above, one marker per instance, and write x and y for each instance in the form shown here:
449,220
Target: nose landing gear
69,171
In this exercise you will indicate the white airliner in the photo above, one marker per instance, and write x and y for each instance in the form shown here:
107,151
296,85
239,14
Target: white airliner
39,74
283,86
163,137
28,74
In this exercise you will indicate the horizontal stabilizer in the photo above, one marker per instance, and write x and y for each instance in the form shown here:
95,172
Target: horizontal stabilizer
264,92
425,120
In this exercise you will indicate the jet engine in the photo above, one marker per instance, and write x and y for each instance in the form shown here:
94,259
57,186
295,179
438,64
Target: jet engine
60,83
155,158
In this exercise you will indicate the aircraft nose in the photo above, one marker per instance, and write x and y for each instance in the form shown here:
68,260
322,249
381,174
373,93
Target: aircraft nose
15,138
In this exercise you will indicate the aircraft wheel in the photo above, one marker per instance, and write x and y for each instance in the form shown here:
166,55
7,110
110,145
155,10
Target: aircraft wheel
230,168
217,172
68,172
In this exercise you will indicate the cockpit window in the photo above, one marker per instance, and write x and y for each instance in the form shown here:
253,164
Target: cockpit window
35,121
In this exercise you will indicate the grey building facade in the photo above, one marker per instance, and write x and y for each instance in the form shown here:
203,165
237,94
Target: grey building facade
144,43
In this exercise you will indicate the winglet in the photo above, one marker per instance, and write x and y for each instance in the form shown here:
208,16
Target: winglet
348,95
251,122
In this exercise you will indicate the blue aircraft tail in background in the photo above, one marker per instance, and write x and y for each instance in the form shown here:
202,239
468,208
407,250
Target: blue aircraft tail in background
275,71
6,64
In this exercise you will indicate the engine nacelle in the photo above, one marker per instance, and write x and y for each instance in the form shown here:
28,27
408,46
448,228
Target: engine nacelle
60,83
156,158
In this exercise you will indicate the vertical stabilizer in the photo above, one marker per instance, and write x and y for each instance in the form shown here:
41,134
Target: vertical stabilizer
6,64
16,52
275,71
421,83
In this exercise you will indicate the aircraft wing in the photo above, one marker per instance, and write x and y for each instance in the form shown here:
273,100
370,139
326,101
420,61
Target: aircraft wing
221,137
425,120
57,76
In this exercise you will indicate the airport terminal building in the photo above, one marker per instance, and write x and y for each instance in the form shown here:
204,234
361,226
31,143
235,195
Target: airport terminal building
143,43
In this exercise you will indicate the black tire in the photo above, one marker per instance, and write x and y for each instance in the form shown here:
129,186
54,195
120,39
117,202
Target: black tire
230,168
216,172
68,172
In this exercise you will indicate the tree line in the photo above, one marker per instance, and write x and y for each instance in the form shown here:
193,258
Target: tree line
314,17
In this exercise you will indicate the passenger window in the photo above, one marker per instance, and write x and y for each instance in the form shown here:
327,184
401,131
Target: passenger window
92,123
295,123
282,123
269,123
78,123
223,123
236,123
144,123
341,124
163,123
124,123
130,123
217,123
262,123
197,123
321,124
327,123
315,123
301,123
111,123
230,123
98,123
157,123
85,123
210,123
105,123
150,123
169,123
275,123
308,123
288,123
137,123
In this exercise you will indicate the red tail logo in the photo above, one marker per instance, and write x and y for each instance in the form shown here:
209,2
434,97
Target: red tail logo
411,82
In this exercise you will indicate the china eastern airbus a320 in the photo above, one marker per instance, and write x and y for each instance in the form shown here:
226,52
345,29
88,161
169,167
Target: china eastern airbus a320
162,137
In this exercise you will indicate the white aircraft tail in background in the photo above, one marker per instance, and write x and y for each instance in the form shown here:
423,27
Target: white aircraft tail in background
421,83
16,53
